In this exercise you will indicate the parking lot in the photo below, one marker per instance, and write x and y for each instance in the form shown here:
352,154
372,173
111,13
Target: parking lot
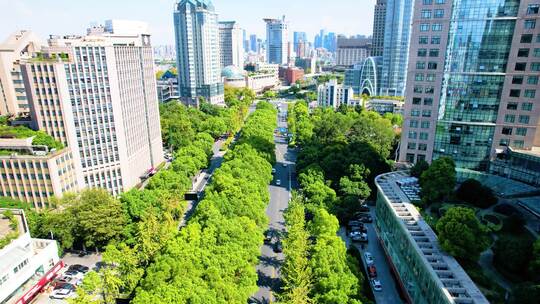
73,279
388,293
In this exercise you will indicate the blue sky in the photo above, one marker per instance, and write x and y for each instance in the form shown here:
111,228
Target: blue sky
73,16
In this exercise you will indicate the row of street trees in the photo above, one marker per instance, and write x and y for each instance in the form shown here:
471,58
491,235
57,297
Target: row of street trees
213,258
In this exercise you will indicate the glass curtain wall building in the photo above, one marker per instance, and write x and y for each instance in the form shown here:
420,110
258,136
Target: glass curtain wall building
397,33
472,80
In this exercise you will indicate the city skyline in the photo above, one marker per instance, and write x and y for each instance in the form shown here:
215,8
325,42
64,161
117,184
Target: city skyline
75,16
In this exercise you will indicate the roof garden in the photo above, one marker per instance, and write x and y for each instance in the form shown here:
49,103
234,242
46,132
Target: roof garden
40,138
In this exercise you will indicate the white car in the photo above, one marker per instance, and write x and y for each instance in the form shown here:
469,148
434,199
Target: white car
63,293
278,182
273,170
369,258
376,285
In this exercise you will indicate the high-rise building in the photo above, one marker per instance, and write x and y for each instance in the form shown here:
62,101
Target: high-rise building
351,51
473,81
299,37
97,95
330,42
379,16
230,44
253,46
319,39
19,45
197,52
277,39
396,46
245,41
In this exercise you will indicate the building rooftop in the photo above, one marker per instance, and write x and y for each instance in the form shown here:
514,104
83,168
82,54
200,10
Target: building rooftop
6,224
534,151
450,276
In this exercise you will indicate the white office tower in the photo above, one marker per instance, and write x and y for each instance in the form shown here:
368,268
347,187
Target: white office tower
332,94
19,45
197,52
97,94
277,41
230,45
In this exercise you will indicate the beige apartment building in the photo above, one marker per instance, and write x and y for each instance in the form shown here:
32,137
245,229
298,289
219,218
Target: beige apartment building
473,81
18,46
97,94
35,174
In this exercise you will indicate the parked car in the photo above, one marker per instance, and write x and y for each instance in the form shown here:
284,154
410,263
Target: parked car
354,223
63,292
369,258
273,170
376,285
79,268
365,218
360,237
372,271
278,182
284,165
364,208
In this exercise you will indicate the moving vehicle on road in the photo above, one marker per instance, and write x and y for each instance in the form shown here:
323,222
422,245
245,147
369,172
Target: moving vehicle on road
376,285
372,271
368,258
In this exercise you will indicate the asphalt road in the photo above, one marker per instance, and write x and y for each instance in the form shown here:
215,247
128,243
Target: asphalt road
389,293
270,261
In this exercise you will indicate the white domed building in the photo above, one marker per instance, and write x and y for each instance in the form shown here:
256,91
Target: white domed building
257,81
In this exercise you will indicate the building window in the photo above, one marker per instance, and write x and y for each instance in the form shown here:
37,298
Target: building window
529,93
422,52
538,38
533,9
529,24
536,52
424,27
526,38
524,119
519,144
426,14
512,106
504,142
413,124
434,53
527,106
436,40
436,27
432,66
520,66
515,93
428,101
420,65
508,118
535,66
419,77
532,80
423,40
418,89
440,1
422,147
523,53
411,146
415,113
427,2
438,13
430,77
426,113
410,158
425,125
430,90
506,131
517,80
412,135
424,136
521,131
416,100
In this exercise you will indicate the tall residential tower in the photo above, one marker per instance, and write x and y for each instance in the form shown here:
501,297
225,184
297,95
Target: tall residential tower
197,52
230,44
379,16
